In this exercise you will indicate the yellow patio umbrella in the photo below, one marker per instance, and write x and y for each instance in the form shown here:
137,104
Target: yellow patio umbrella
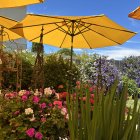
5,32
135,14
70,32
17,3
73,31
5,35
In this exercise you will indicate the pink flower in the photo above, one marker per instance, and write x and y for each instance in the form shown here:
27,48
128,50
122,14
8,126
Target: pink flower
43,119
63,111
77,82
16,112
30,132
24,98
38,136
92,95
43,105
27,93
58,104
50,104
36,99
84,98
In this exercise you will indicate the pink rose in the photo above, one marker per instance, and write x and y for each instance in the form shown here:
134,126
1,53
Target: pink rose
36,99
24,98
58,104
38,136
30,132
43,105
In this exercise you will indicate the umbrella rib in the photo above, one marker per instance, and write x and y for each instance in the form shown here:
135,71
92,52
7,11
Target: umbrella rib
46,33
108,27
103,35
61,29
63,40
83,30
84,38
35,25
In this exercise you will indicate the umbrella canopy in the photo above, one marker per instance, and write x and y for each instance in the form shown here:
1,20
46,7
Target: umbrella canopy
70,32
5,33
135,14
73,31
17,3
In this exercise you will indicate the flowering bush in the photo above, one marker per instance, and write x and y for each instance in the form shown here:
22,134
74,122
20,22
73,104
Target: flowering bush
32,115
131,68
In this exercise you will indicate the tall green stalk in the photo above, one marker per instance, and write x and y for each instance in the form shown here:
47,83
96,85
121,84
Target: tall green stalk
108,119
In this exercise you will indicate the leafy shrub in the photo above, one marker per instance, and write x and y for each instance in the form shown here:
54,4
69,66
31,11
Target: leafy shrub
132,86
11,77
58,72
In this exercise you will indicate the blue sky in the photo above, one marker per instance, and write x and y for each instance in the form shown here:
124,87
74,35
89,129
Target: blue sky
117,10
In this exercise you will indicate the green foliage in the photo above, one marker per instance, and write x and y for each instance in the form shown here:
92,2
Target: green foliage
132,86
108,120
26,74
65,52
37,47
11,77
58,72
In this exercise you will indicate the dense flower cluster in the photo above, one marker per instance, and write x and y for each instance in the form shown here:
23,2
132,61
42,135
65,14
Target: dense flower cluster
31,114
104,72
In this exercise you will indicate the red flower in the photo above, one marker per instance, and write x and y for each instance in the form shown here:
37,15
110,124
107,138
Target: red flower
91,101
63,95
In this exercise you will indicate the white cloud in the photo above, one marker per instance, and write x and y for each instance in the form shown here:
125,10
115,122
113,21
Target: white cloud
135,42
120,53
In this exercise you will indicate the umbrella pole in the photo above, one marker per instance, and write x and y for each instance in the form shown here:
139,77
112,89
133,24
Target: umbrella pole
71,52
72,37
1,51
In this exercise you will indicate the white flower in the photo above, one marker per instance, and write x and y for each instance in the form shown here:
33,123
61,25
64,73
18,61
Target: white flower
36,92
47,91
57,95
33,118
63,111
67,116
21,92
28,111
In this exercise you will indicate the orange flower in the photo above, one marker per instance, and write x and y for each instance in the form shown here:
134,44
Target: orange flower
60,86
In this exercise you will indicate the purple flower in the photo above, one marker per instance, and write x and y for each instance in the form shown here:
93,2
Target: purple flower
30,132
36,99
43,105
24,98
38,136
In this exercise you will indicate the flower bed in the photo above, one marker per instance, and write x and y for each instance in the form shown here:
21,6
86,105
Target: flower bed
33,115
